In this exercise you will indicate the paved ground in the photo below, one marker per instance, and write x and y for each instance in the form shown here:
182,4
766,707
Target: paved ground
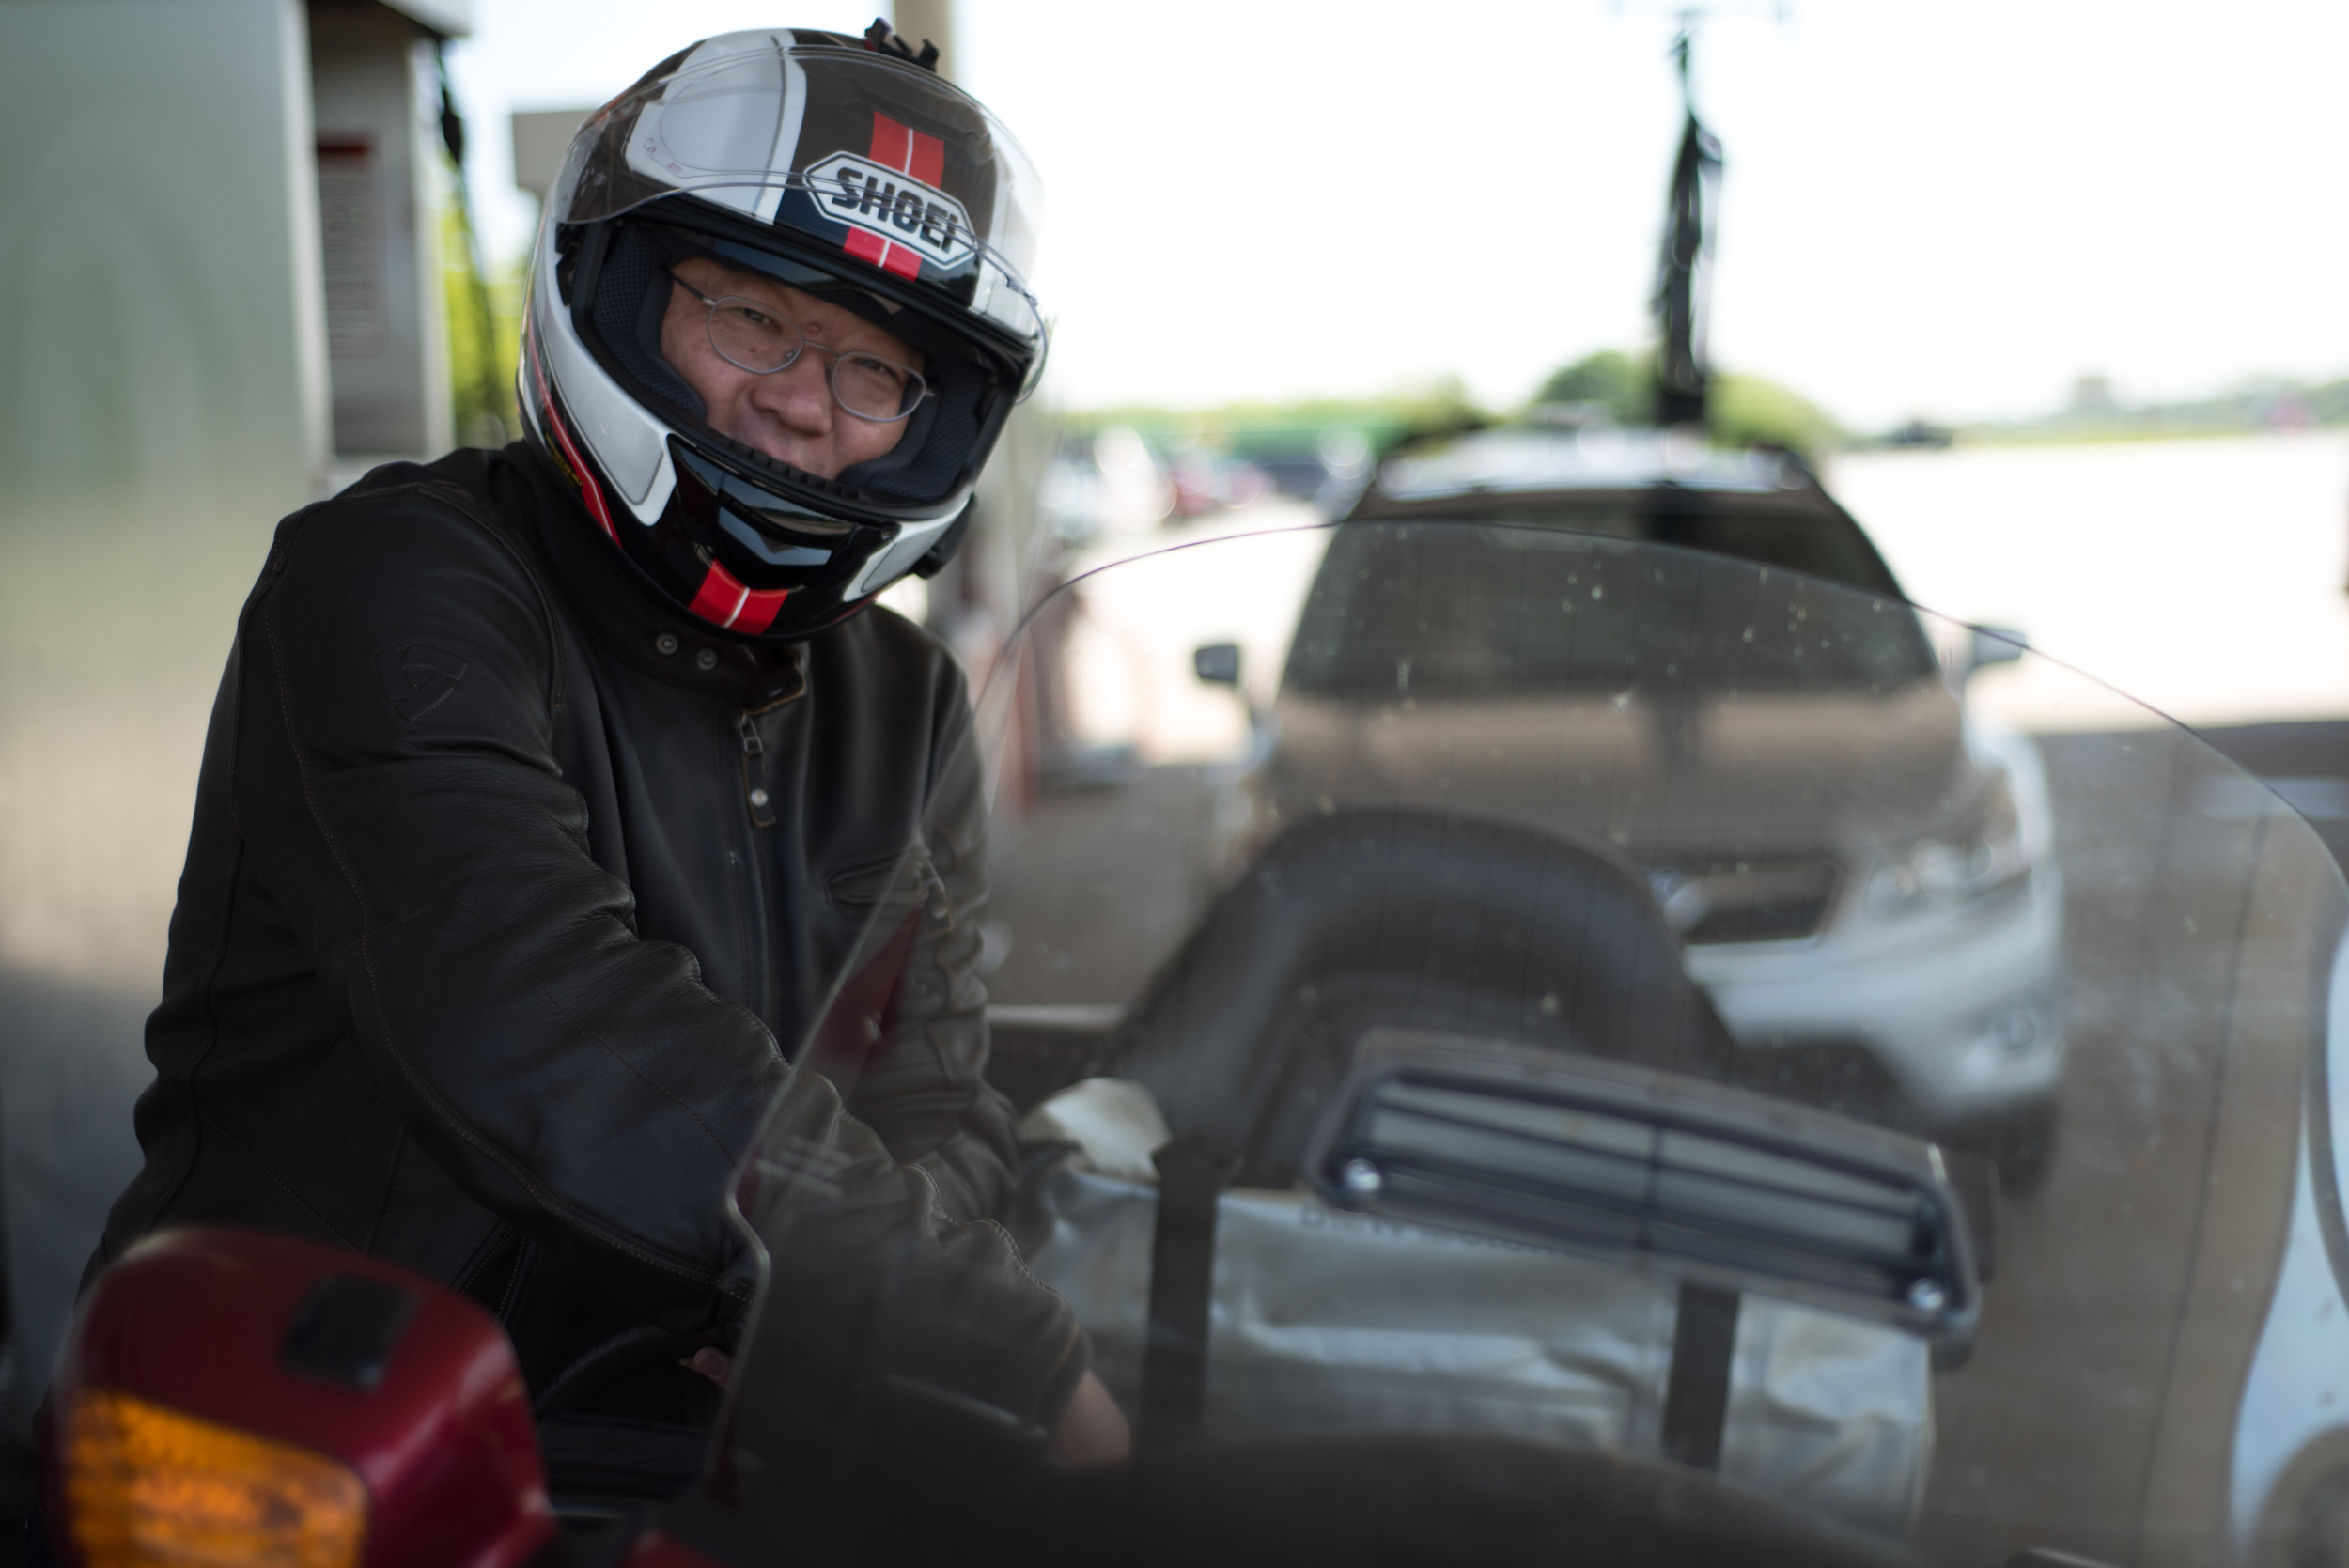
2131,1288
2308,762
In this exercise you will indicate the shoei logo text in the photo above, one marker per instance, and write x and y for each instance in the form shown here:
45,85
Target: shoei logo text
894,205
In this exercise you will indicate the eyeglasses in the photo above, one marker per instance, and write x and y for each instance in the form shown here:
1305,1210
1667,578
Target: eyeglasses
750,337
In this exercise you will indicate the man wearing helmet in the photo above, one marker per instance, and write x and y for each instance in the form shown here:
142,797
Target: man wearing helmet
548,792
789,414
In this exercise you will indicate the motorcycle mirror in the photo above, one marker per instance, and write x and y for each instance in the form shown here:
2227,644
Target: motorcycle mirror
1217,663
1715,1187
1995,645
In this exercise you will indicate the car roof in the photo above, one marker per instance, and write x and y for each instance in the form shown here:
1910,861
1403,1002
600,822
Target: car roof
1601,459
1598,479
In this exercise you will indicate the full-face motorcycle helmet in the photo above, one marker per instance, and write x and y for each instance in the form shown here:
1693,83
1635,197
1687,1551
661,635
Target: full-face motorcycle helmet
845,170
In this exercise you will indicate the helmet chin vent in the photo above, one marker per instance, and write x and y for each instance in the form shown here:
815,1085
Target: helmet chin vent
759,462
744,493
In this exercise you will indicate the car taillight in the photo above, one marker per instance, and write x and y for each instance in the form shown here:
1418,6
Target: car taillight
148,1485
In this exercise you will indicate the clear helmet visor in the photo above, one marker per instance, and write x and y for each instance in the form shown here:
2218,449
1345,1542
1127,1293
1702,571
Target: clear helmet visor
842,150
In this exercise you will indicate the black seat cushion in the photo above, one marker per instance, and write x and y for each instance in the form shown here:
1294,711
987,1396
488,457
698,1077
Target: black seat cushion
1411,919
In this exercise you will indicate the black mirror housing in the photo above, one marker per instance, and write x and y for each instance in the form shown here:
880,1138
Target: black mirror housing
1217,663
1995,645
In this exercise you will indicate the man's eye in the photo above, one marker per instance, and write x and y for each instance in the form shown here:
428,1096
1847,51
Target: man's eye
880,367
763,321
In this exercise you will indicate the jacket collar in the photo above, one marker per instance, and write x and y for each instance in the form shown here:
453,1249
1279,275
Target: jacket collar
627,618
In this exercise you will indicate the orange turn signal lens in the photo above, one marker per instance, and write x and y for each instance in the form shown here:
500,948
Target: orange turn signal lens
145,1485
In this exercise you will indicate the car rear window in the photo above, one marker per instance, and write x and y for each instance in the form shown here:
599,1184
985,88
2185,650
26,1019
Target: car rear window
1817,539
1438,608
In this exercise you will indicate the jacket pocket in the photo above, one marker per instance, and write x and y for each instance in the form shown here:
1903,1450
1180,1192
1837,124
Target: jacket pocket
899,884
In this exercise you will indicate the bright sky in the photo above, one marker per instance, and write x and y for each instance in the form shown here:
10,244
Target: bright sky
1942,209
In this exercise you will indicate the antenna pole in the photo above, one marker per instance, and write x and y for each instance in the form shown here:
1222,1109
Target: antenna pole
1683,376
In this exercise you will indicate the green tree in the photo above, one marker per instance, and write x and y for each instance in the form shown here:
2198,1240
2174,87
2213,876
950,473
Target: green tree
1618,383
1753,411
1743,411
484,317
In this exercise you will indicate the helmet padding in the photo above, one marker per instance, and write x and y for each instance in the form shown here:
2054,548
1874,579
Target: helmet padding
632,299
938,435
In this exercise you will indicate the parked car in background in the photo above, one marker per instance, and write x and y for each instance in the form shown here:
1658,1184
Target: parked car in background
1660,487
1898,956
1106,483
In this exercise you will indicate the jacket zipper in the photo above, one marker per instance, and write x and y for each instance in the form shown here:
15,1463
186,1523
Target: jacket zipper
760,951
754,794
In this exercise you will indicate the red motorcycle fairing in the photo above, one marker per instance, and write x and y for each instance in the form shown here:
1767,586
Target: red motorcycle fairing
238,1335
657,1548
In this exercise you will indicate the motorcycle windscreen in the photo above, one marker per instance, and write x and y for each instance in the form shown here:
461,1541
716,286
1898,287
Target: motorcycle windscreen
1519,1034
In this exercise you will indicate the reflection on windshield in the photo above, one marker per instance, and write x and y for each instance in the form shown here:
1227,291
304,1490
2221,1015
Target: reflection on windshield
1610,1019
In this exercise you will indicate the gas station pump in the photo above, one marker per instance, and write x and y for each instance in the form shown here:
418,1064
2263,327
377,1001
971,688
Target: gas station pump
375,102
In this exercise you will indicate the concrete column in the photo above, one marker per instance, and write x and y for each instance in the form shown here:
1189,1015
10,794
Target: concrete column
934,20
163,402
376,96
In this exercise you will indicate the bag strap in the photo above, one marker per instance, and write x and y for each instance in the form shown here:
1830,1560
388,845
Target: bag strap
1193,1171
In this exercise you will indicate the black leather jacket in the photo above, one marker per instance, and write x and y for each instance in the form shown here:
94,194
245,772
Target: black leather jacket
504,887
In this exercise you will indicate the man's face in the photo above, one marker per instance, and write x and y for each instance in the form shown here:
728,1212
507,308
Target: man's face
790,414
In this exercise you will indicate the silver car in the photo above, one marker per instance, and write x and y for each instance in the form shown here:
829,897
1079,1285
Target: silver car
1893,949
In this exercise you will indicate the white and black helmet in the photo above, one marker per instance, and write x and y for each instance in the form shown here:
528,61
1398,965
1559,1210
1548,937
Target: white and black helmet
846,169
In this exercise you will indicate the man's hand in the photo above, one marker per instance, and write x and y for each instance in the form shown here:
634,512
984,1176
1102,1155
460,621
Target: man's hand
1093,1430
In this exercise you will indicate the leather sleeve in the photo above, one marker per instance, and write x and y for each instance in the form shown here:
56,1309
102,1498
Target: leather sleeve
398,794
884,1292
924,1088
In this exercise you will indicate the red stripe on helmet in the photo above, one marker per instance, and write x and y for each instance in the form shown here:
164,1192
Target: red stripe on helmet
893,141
759,608
721,597
928,163
589,491
907,151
